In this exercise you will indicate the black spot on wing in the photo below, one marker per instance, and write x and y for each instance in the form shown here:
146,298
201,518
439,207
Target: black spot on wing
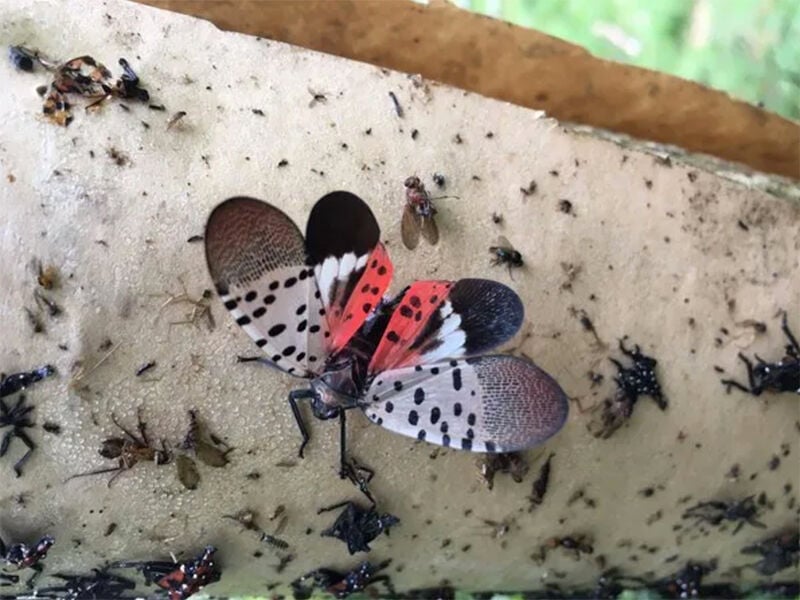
491,313
340,222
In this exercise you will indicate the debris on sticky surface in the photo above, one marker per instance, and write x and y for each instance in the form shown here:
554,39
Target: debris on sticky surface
82,76
512,463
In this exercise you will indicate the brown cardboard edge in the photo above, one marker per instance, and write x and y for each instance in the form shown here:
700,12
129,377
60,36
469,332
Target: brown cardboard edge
518,65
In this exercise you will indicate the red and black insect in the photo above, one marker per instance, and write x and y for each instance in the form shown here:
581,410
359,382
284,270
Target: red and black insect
783,376
413,364
340,585
180,579
357,526
418,215
128,450
715,512
22,556
99,585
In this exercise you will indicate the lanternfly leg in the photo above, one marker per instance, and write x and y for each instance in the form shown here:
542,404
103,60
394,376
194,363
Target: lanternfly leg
343,465
294,396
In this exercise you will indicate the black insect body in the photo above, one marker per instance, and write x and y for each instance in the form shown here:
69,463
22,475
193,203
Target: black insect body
639,379
10,384
505,254
21,556
129,451
777,553
180,579
357,526
783,376
513,463
541,484
16,417
128,84
99,585
340,585
686,583
715,512
575,545
22,58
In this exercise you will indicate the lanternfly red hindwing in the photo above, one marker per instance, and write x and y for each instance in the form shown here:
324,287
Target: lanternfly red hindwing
412,363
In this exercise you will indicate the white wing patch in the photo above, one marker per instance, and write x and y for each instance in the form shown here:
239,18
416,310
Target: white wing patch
485,404
283,313
450,336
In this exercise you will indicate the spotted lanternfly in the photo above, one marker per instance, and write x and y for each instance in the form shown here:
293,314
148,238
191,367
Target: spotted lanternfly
412,363
22,556
180,580
779,552
505,254
418,215
783,376
340,585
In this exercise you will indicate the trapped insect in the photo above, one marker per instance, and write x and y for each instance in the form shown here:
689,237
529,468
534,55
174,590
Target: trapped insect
505,254
418,215
340,585
21,556
783,376
179,579
413,364
99,584
129,450
715,512
357,526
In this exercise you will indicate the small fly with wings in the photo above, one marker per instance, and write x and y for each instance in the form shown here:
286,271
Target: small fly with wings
505,254
418,214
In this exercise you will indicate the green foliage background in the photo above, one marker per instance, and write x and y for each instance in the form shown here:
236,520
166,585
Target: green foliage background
748,48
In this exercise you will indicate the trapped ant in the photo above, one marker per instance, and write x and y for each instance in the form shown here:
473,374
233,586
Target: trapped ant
506,254
21,556
783,376
715,512
129,450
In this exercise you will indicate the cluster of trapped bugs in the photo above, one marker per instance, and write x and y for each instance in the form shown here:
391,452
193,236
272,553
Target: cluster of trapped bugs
417,364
